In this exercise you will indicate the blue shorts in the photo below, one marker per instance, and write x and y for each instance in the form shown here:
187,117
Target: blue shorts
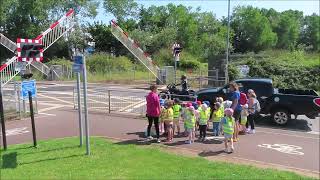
189,130
227,136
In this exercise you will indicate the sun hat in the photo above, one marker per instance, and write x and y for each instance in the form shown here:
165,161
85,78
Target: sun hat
228,112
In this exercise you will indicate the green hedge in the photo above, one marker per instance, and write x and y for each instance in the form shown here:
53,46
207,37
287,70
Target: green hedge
286,75
104,63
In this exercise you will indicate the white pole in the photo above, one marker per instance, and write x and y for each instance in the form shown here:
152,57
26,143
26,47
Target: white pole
227,50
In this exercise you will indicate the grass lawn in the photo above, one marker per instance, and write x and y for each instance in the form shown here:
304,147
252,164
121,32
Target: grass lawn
62,159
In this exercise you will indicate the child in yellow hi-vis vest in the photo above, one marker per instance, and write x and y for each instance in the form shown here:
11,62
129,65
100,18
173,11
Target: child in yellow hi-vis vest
228,124
190,121
176,115
168,120
217,115
203,120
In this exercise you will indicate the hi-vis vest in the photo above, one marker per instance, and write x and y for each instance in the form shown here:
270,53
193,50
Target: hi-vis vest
218,115
176,111
228,124
167,114
204,117
190,120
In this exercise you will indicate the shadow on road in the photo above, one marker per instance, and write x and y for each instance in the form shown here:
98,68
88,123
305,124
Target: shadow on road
210,153
139,134
294,124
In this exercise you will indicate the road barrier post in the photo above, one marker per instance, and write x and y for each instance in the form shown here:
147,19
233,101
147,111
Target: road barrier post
34,136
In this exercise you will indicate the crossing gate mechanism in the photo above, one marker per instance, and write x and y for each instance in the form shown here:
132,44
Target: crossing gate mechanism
34,48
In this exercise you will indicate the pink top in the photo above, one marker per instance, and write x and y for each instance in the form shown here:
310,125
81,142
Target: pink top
153,105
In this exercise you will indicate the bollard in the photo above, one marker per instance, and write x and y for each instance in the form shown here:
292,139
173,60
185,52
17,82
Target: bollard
3,126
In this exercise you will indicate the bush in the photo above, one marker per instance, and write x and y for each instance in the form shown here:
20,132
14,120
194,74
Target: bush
286,75
190,64
60,61
233,72
104,63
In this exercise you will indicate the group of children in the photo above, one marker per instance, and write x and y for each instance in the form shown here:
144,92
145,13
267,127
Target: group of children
196,116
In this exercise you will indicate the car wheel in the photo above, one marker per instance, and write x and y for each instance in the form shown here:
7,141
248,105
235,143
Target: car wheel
167,95
281,117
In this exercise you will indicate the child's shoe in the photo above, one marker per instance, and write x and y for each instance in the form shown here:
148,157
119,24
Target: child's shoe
158,141
252,131
150,138
226,150
232,149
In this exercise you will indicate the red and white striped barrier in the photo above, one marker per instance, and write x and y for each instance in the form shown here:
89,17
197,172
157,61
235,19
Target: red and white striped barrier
69,13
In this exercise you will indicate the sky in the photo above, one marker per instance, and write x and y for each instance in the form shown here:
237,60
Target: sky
220,7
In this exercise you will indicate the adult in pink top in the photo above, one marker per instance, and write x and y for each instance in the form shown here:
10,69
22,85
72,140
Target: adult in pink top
153,110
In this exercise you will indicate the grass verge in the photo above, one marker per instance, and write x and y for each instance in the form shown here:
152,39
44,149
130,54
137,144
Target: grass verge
63,159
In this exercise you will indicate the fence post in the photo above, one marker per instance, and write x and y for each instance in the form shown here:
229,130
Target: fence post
109,101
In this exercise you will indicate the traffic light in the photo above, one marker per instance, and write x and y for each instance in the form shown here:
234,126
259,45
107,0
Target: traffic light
29,50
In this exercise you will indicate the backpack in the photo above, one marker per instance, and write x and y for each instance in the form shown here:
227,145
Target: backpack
243,99
257,107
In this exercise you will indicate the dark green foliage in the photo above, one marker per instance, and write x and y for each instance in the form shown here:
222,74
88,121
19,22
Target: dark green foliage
233,72
102,63
190,64
286,75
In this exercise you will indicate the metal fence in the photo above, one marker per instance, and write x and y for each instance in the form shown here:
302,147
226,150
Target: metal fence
14,105
116,101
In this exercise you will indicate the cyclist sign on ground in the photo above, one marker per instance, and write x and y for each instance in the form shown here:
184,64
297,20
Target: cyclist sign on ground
27,86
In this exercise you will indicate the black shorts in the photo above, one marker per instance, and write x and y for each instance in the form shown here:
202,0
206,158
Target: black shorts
237,115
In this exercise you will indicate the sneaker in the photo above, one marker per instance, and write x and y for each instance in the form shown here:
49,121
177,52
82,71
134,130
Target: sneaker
252,131
248,130
158,141
226,150
187,142
232,149
150,138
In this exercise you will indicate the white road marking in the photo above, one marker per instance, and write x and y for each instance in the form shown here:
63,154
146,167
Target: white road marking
16,131
287,135
50,108
284,148
47,114
67,102
131,105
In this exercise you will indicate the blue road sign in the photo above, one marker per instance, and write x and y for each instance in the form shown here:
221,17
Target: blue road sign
78,59
27,86
78,64
78,68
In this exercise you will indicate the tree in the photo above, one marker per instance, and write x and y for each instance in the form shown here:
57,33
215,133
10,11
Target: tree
310,35
121,9
253,31
288,29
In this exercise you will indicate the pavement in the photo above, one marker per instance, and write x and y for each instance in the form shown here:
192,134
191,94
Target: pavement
294,148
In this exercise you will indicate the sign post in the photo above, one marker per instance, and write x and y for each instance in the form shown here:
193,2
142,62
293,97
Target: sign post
34,136
85,105
77,67
3,126
28,90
